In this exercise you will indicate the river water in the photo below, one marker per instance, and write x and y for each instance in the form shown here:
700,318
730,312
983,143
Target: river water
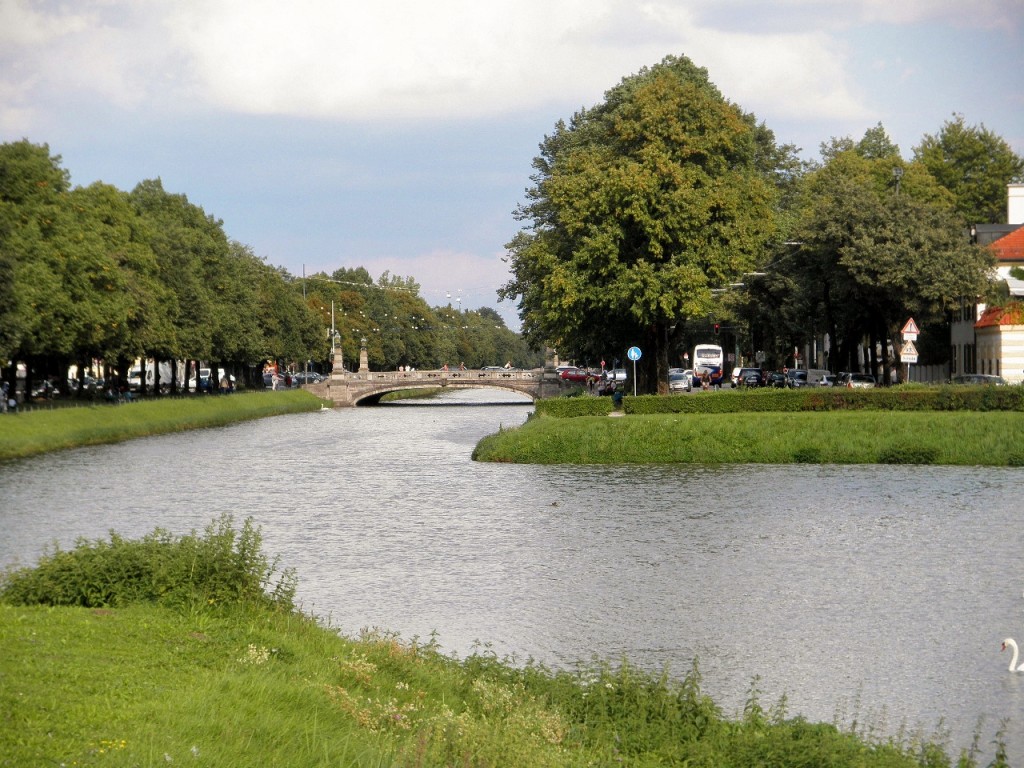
877,594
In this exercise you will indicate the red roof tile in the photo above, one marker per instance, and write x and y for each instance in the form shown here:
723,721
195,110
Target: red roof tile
1010,248
1012,314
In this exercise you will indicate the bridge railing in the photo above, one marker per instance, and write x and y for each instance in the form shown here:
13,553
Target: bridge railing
442,375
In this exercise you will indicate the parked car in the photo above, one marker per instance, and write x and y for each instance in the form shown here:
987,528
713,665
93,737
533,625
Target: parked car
796,378
978,378
617,374
574,374
307,377
776,379
857,381
747,377
803,377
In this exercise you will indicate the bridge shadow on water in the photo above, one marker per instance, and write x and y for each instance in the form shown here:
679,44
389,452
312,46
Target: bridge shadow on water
448,404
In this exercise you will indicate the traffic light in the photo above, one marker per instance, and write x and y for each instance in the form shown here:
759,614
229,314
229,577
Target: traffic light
716,329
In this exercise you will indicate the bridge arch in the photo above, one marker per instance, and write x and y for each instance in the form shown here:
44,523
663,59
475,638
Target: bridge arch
351,389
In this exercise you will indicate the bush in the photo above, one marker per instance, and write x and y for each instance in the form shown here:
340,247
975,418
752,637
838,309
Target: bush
222,566
900,398
571,407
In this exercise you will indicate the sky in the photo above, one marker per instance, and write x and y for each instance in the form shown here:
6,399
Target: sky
398,135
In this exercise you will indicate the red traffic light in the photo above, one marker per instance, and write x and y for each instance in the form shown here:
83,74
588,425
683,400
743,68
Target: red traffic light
716,329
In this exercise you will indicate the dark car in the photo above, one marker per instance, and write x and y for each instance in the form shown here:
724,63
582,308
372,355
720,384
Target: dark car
776,379
748,377
307,377
978,378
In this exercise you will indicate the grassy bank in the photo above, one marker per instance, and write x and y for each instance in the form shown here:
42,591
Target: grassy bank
182,661
861,437
41,431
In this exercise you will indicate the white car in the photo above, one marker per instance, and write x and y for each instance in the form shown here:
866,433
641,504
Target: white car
680,381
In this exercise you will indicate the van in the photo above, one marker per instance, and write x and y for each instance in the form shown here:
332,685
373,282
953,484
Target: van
135,377
799,377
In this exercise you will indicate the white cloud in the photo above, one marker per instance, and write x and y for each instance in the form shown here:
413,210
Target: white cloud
391,60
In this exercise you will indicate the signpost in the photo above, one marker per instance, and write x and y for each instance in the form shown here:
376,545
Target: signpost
634,354
908,352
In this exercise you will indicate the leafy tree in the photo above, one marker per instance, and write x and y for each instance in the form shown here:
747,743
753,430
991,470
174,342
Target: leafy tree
975,165
183,236
111,279
33,188
876,145
868,258
640,207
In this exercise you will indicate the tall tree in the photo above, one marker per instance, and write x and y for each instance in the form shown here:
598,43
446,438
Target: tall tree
975,165
33,192
868,258
640,206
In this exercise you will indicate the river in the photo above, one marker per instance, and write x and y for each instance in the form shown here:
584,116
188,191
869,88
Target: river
872,594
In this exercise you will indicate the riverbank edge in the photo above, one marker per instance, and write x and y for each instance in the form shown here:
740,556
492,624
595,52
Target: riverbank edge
205,656
962,438
23,435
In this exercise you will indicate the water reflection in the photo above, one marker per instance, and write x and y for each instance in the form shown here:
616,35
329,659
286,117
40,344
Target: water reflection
875,593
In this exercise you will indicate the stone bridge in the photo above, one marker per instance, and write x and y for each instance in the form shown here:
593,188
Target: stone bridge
367,387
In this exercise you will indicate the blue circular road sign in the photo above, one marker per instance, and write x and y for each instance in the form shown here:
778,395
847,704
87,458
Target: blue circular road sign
633,353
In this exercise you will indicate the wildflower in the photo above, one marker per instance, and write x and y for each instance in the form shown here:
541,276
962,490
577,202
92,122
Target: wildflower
195,751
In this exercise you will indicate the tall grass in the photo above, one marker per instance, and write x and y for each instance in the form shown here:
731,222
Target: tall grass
41,431
837,437
220,675
221,566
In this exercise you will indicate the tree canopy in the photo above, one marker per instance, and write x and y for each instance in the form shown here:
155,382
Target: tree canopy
94,276
640,207
975,165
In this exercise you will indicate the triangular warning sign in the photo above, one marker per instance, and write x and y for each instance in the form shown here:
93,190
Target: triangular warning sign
908,349
910,327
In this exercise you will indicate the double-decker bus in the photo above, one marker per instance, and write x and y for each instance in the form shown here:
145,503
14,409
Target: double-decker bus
709,357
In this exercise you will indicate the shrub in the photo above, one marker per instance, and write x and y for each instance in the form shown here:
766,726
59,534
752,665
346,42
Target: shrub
900,398
571,407
222,566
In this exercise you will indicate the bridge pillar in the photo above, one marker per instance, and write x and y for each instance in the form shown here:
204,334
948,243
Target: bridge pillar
364,360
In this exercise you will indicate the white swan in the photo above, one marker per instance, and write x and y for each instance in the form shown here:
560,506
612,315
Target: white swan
1011,643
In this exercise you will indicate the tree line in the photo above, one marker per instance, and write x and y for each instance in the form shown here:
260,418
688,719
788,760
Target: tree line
666,212
96,278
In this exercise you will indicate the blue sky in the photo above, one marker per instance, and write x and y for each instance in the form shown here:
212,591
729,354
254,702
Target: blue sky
398,135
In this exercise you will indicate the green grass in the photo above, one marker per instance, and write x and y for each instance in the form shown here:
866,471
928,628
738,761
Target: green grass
125,680
40,431
837,437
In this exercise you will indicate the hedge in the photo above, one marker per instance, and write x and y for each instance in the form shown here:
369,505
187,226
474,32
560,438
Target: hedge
945,398
570,407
